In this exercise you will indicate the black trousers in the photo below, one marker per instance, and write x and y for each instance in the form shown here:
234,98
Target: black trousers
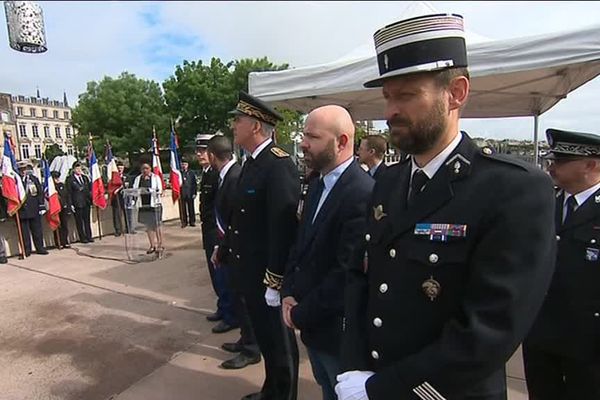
82,222
188,212
278,346
118,213
32,227
555,377
63,229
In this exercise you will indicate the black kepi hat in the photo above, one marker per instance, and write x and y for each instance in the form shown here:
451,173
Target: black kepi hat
253,107
569,144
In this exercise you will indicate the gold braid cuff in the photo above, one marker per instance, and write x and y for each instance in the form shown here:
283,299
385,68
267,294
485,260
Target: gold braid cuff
273,280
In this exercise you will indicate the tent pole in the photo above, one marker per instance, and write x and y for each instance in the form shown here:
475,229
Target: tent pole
536,145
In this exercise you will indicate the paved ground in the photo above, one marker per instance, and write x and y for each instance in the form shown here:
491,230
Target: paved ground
86,324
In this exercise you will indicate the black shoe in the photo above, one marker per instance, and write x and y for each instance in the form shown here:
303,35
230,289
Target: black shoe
91,241
192,225
254,396
223,327
232,347
214,317
117,234
3,260
240,361
42,252
67,246
27,253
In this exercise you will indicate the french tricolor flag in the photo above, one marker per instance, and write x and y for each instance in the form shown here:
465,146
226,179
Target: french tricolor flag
175,175
156,166
114,178
12,185
98,198
52,201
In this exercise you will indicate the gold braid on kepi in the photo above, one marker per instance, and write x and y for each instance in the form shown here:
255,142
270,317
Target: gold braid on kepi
272,280
256,108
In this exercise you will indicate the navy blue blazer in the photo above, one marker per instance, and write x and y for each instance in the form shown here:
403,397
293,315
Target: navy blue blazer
322,254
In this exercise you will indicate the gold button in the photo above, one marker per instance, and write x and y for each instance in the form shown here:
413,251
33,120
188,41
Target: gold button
377,322
375,355
433,258
367,237
383,287
393,253
596,315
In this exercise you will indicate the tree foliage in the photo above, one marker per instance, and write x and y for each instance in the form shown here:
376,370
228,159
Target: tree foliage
53,151
122,110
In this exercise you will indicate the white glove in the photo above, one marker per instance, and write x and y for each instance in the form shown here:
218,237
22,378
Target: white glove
42,212
73,208
352,385
272,297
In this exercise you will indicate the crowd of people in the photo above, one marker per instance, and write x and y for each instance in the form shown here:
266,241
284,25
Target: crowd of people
417,280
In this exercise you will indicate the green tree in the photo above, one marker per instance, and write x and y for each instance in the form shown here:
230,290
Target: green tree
53,151
292,122
243,67
199,96
122,110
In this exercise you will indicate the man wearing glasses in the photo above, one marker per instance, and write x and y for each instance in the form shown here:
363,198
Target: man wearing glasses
562,351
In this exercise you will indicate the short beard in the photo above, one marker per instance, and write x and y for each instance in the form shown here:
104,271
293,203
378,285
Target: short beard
324,159
421,135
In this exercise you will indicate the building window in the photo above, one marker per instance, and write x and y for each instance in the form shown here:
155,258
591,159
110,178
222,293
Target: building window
55,113
37,148
22,131
45,113
46,131
5,117
57,131
32,111
66,115
19,110
24,151
69,150
68,132
34,129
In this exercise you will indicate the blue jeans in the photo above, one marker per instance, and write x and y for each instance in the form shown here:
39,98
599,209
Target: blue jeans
325,368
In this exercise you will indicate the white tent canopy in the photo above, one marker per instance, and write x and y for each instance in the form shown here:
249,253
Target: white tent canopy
515,77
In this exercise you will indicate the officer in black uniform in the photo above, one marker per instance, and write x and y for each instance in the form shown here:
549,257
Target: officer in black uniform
257,242
562,351
189,190
208,190
459,249
31,211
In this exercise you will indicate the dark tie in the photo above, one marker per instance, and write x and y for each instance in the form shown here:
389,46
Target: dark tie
571,205
314,200
417,183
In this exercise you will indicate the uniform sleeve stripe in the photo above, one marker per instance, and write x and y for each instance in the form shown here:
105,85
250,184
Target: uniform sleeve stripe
435,393
419,391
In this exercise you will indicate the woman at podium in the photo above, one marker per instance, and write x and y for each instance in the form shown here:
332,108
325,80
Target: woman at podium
150,210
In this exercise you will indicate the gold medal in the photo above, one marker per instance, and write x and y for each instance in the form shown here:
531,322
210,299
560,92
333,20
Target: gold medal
431,288
378,212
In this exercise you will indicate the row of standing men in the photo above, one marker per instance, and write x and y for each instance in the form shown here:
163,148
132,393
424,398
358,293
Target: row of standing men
422,284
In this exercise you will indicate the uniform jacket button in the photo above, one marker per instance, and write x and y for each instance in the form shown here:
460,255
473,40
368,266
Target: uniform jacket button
237,256
393,253
383,287
433,258
375,355
593,241
596,315
367,237
377,322
557,237
237,232
243,210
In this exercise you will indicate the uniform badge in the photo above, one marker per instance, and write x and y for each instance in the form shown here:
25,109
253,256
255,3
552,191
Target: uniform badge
431,288
378,213
597,198
441,232
591,254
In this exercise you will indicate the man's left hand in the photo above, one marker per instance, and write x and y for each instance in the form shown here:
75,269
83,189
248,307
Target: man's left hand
286,309
352,385
272,297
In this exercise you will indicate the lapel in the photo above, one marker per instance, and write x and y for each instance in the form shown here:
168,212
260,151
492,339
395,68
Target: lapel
588,210
333,199
558,212
436,193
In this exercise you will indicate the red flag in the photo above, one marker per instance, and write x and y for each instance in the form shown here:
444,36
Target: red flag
156,167
52,202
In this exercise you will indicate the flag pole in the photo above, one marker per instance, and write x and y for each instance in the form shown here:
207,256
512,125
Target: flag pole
179,201
20,234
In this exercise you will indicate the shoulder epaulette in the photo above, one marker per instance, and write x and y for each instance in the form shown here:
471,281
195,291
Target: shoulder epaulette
280,153
489,153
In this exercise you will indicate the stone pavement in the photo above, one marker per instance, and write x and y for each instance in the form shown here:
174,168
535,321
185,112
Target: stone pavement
86,324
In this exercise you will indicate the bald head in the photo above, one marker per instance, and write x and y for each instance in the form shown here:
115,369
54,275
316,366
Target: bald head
334,118
328,138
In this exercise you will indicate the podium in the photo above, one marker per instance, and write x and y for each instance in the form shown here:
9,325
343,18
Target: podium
143,219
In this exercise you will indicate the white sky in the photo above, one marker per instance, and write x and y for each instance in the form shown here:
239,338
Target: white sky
88,40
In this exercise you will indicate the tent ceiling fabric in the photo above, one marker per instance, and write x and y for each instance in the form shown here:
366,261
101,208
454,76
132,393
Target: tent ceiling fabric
510,78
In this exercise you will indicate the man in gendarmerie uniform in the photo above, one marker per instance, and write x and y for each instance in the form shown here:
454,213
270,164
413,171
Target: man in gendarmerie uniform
208,190
562,351
256,246
459,249
188,194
